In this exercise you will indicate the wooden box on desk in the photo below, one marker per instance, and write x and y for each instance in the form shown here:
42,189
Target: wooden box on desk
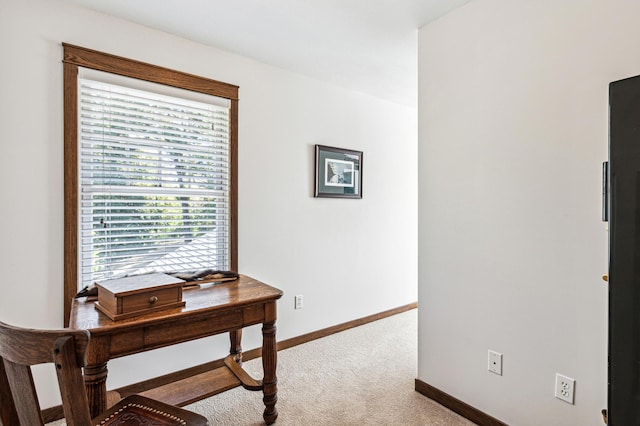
138,295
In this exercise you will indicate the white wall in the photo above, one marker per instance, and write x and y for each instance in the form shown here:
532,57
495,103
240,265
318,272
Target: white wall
349,258
513,99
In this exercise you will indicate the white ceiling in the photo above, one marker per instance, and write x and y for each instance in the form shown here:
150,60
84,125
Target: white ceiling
366,45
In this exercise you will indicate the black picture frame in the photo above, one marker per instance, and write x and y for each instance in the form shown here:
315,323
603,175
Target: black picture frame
338,172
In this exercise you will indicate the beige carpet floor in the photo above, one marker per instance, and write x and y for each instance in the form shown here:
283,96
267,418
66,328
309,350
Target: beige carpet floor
362,376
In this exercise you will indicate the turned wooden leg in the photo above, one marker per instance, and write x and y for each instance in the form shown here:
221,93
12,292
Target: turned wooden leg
236,345
95,382
269,362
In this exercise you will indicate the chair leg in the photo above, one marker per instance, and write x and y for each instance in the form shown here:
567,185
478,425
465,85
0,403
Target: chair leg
8,412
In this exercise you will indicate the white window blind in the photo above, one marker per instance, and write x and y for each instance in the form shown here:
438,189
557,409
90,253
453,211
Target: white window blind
154,182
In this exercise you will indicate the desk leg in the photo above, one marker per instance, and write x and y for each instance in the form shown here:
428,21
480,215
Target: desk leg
269,362
236,345
95,382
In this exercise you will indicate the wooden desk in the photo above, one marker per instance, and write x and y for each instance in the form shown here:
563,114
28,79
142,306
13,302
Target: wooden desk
209,310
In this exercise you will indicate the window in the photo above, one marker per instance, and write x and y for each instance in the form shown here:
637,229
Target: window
149,170
154,182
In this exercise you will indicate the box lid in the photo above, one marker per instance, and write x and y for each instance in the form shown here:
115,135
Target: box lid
135,284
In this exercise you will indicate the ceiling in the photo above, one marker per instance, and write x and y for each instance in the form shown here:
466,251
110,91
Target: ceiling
366,45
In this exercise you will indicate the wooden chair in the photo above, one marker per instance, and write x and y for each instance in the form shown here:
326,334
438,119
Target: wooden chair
21,348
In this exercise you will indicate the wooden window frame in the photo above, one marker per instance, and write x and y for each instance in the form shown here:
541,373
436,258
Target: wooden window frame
74,57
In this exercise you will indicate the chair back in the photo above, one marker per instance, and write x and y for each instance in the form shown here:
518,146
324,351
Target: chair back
21,348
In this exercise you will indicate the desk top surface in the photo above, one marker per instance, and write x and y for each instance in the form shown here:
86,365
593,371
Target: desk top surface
206,298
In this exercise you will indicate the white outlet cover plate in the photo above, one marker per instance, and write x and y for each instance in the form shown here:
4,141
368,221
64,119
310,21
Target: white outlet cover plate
565,387
495,362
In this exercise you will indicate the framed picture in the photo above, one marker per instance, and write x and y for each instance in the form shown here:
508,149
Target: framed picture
338,172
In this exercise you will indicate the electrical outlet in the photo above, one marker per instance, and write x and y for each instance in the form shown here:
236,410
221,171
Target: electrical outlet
495,362
565,387
298,302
